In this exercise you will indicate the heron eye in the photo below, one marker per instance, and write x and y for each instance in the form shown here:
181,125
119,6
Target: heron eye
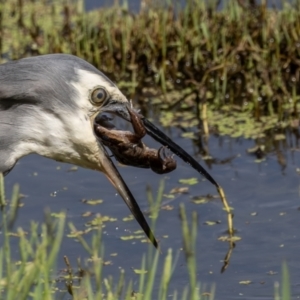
98,96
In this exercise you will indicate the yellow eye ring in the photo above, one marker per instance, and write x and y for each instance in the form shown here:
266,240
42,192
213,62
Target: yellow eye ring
98,96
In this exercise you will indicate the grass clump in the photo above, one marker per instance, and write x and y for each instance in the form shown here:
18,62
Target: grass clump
32,272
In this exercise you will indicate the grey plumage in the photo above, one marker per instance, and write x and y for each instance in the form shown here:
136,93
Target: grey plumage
33,85
47,75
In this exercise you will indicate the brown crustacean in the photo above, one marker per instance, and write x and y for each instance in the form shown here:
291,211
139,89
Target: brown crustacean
128,148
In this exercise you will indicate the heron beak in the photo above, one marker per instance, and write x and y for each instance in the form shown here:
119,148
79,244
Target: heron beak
113,175
121,110
117,181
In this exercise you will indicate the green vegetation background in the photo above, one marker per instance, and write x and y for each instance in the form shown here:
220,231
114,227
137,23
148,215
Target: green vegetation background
195,63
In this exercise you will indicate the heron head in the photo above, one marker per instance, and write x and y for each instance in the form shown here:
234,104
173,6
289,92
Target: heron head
48,105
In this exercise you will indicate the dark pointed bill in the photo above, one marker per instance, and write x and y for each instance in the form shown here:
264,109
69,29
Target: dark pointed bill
115,178
117,181
160,137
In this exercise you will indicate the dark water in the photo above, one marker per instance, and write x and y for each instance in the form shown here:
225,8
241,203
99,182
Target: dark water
135,5
92,4
266,188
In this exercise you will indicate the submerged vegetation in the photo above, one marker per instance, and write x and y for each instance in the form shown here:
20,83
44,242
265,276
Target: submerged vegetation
242,60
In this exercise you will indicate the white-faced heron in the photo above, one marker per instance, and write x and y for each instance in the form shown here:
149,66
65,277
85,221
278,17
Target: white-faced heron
48,105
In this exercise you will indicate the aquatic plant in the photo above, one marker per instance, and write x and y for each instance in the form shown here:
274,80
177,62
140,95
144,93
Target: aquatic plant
33,271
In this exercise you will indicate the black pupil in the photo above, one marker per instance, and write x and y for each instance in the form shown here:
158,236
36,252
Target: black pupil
100,95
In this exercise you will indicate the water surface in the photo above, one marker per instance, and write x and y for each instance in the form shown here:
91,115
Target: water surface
265,197
135,5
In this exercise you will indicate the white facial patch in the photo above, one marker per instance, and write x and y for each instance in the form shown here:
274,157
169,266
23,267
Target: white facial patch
68,137
65,137
87,82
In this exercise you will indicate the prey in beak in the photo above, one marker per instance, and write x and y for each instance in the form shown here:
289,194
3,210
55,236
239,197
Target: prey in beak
120,109
127,147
